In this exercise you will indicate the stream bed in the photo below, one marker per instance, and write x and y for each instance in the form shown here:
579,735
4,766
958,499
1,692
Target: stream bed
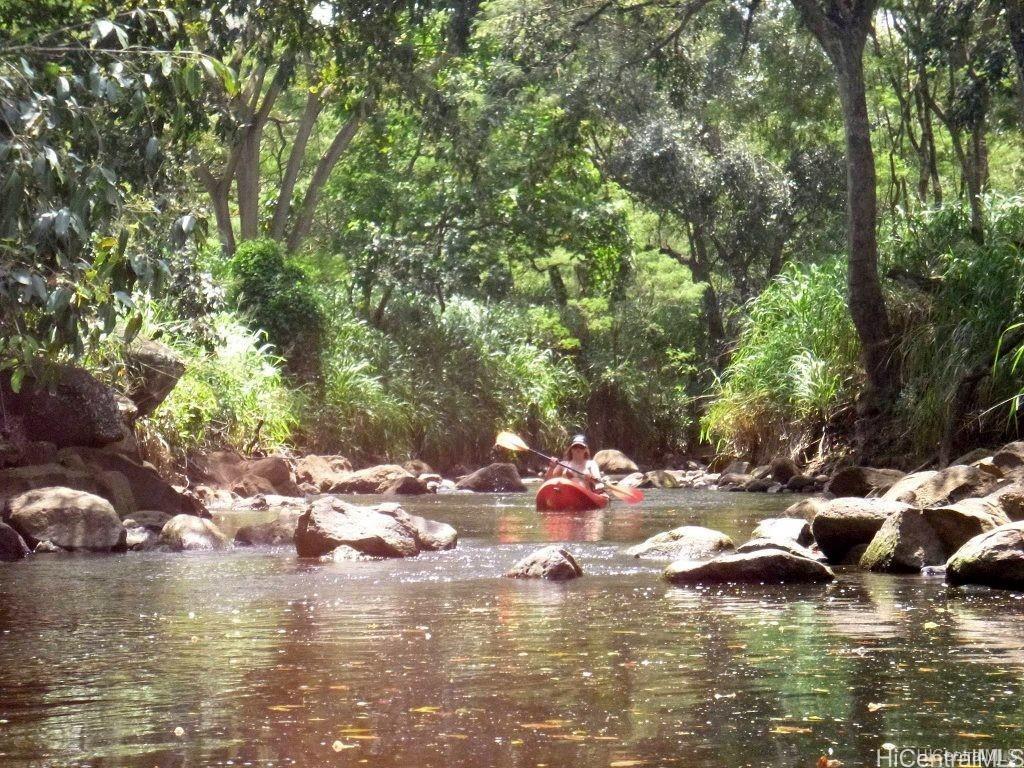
255,658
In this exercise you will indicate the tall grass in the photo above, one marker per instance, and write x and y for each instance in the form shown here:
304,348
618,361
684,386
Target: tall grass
794,367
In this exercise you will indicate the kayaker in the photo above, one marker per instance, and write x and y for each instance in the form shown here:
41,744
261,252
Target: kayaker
577,456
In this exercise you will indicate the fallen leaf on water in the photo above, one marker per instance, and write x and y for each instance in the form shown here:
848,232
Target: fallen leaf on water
926,669
338,746
425,710
930,625
790,729
284,707
969,735
549,724
337,687
625,763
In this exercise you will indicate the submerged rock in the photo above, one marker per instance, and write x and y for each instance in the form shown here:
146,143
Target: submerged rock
862,481
271,534
187,533
766,566
70,519
794,528
688,542
12,546
613,462
553,562
382,531
994,558
494,478
842,524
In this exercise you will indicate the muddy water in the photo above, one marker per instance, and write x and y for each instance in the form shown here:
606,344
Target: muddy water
255,658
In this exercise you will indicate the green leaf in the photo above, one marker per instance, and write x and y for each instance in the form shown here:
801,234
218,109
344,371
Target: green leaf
100,29
133,327
17,378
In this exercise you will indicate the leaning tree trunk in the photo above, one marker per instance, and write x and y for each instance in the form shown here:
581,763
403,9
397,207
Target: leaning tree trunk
842,27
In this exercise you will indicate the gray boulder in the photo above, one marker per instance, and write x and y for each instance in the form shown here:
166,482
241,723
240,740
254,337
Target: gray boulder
765,566
406,486
613,462
842,524
187,533
1010,457
382,531
662,478
70,519
792,528
553,562
494,478
994,558
1010,500
862,481
80,410
947,486
141,539
152,369
369,480
12,546
904,543
688,542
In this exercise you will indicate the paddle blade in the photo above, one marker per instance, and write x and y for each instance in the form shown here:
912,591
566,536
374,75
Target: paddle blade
511,442
628,495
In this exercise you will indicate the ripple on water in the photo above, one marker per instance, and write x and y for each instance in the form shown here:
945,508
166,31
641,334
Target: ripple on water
255,658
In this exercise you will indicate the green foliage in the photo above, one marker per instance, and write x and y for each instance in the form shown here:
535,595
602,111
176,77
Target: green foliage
794,366
952,334
279,300
229,395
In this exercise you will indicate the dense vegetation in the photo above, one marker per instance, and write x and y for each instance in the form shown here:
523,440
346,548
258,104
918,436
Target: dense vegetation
389,229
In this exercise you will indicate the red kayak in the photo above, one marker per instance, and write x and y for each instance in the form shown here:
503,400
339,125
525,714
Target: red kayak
560,494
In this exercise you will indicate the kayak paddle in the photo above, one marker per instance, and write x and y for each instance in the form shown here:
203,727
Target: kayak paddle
514,442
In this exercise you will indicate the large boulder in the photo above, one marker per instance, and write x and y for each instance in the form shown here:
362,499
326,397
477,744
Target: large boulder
1010,500
792,528
70,519
275,471
688,542
994,558
613,462
382,531
12,546
806,508
321,472
842,524
663,478
765,566
553,562
16,480
862,481
406,486
152,369
79,411
369,480
496,477
904,543
187,533
734,480
148,490
1010,457
945,486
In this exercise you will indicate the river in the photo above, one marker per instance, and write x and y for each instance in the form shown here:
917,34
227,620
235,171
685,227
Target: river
254,658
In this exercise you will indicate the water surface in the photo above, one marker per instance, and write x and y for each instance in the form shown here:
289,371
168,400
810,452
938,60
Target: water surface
256,658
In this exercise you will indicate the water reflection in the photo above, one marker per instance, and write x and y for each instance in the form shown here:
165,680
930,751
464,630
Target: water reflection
260,659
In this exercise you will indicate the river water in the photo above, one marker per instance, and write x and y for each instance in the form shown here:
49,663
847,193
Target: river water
254,658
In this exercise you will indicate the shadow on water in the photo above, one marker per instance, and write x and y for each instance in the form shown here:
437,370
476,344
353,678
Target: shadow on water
255,658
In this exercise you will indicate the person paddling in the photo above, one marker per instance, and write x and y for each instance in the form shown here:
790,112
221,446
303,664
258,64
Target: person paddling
577,456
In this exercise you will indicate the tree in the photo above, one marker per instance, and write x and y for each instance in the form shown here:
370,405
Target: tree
841,27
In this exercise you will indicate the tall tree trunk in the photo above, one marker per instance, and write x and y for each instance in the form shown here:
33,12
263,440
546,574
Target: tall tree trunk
1015,25
841,27
314,103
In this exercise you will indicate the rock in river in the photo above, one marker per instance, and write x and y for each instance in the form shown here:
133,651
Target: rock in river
493,478
69,519
862,481
995,558
272,534
688,542
766,566
794,528
786,545
552,562
385,530
842,524
186,532
613,462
